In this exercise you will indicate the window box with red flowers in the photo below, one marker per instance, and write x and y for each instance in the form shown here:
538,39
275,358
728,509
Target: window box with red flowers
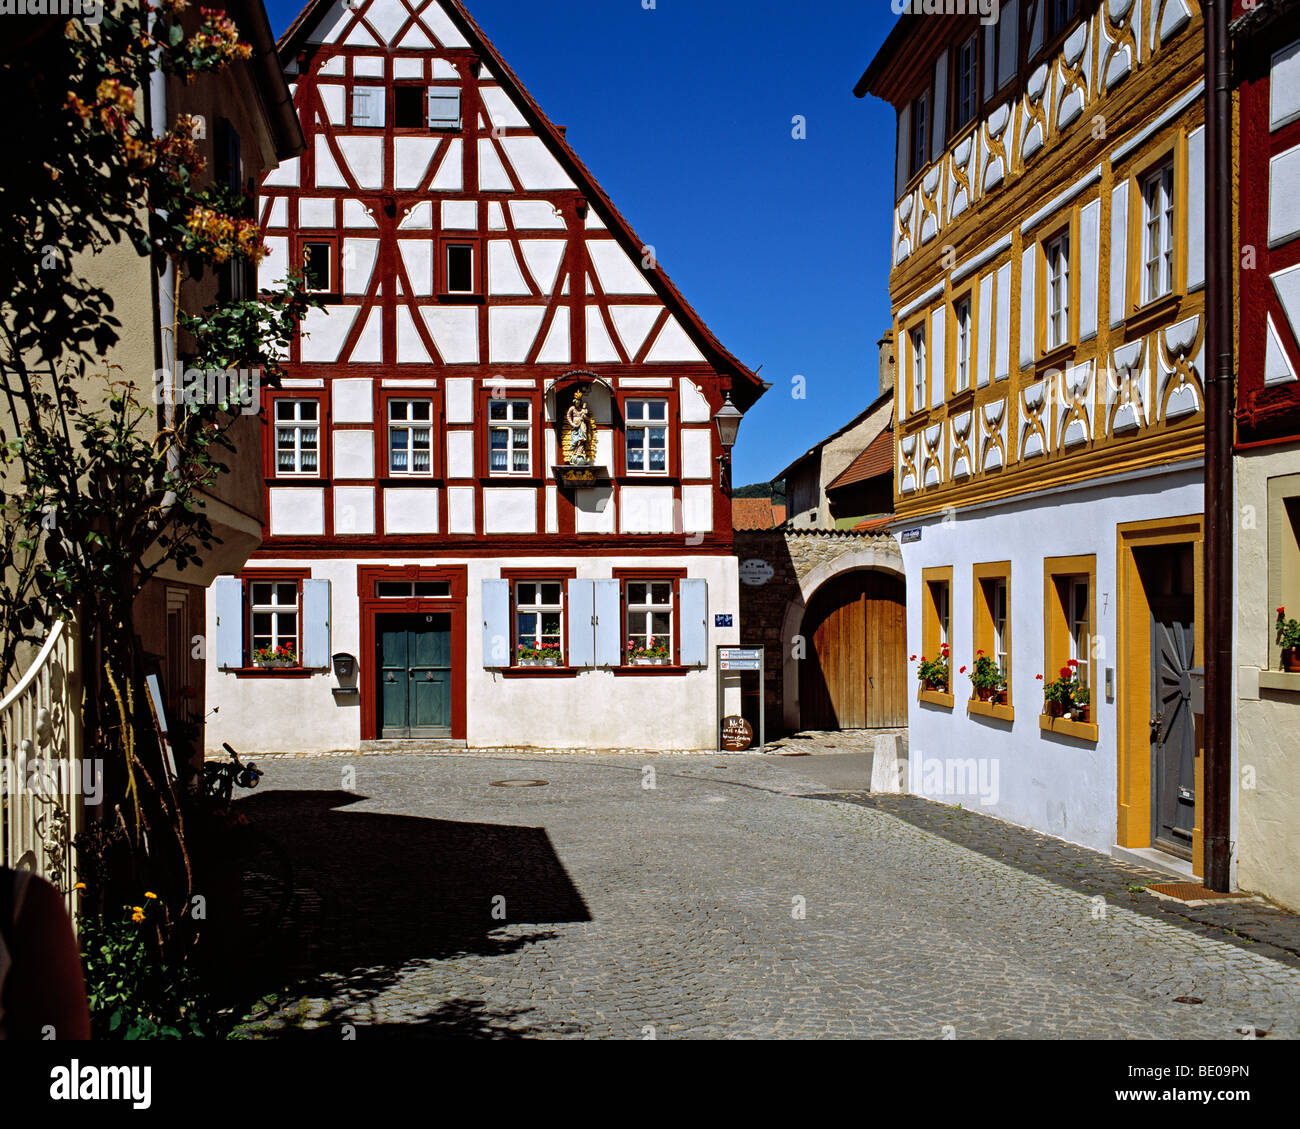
654,653
987,680
935,679
1066,696
283,655
545,655
1288,638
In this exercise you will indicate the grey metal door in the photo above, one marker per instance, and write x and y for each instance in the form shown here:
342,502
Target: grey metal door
1173,734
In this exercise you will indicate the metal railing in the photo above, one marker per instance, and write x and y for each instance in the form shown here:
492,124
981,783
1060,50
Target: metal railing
41,770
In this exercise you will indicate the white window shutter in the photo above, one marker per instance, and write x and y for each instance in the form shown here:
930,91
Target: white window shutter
228,595
1118,253
496,624
316,624
368,105
609,629
582,631
1028,260
693,595
444,107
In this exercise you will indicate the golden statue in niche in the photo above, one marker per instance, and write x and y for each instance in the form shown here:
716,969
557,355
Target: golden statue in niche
578,439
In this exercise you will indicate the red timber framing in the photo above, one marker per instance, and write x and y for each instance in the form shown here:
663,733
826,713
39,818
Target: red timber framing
373,605
389,324
1265,413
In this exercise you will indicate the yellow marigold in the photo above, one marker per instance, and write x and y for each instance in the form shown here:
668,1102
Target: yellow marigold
151,895
79,886
137,913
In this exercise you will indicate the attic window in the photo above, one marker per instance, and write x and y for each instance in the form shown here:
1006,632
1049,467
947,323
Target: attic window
408,107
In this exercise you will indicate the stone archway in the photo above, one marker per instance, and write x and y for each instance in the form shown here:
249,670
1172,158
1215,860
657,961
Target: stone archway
881,557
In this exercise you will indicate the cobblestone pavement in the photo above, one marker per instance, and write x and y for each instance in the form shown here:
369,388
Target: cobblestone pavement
722,902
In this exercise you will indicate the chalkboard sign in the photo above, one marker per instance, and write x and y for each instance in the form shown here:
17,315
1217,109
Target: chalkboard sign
737,734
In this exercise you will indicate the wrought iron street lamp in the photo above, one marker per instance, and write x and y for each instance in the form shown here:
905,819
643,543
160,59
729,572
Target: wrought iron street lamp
727,420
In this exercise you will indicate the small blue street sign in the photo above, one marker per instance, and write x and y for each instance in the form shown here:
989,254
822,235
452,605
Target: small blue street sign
722,621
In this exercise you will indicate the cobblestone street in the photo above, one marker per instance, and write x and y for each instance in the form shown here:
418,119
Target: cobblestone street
733,898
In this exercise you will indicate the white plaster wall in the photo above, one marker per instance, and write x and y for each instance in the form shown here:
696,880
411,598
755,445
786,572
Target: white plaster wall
595,709
1055,784
1268,721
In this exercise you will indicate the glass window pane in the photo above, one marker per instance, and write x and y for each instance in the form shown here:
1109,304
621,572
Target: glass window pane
497,409
659,409
661,593
660,623
421,410
635,409
286,593
526,593
636,593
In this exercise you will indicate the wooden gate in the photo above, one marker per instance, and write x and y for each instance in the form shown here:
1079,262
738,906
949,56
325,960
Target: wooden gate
854,674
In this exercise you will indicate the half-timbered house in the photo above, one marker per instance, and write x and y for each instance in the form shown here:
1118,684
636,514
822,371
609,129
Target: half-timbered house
1048,293
1266,49
495,477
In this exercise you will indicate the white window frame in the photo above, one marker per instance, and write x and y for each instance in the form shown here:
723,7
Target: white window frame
277,610
329,287
645,611
299,426
646,425
998,615
410,426
917,339
1079,627
1158,233
1056,256
538,608
512,426
457,245
961,374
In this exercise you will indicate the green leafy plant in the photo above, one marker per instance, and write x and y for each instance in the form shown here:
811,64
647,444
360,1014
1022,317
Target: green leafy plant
653,649
933,673
985,674
1288,630
546,652
1067,691
284,655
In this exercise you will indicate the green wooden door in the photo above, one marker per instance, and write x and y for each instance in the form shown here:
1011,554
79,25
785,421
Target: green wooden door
414,664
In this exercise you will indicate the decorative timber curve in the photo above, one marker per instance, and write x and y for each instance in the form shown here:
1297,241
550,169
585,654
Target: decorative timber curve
41,751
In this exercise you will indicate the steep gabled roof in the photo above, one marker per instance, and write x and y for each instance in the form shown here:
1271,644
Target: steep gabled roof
753,513
876,459
747,387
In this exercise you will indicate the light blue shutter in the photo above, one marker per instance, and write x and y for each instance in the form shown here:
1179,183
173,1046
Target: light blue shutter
228,595
609,631
694,597
316,624
368,105
582,633
444,107
496,624
1028,260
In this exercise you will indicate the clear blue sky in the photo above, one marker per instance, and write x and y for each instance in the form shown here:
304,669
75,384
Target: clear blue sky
683,113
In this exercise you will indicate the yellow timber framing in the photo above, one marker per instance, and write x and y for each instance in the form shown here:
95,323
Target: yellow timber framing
1065,222
932,636
1068,155
1133,678
982,633
1056,638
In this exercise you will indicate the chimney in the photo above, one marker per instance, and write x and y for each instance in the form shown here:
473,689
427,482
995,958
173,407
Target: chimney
886,347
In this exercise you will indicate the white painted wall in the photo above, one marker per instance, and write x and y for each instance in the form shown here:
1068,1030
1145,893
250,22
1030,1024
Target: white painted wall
595,709
1055,784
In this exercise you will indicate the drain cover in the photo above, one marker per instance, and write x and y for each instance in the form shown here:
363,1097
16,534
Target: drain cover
520,783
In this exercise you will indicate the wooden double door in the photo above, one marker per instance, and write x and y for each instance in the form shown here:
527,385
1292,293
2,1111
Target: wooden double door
414,667
854,671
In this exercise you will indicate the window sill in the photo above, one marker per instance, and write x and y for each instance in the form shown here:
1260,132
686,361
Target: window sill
1084,730
270,671
960,401
1155,312
653,670
990,709
541,671
935,698
1279,680
1056,357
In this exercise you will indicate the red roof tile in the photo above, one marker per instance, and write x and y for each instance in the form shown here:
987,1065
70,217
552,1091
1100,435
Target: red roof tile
877,459
751,513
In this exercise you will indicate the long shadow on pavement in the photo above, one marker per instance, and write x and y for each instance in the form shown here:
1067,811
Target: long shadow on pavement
375,893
